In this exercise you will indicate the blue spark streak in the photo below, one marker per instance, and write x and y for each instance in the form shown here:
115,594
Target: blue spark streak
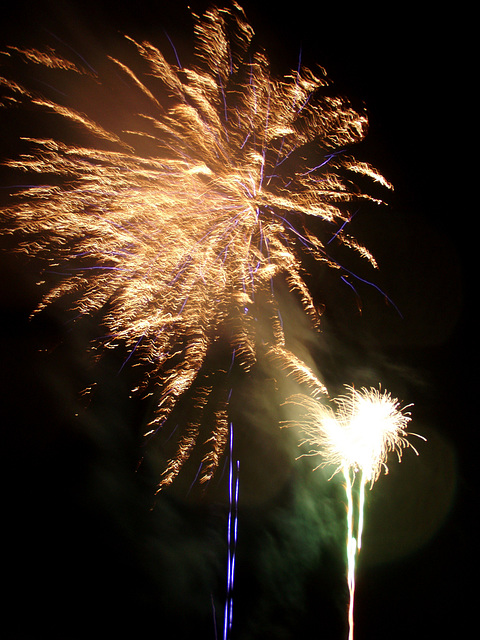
131,353
174,50
343,226
232,529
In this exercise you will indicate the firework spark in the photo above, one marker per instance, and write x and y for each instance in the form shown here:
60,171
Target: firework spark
356,439
176,224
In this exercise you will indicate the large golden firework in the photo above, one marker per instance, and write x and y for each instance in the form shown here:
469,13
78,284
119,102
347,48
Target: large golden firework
177,224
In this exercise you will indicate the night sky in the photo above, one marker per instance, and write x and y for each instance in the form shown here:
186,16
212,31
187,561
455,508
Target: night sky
89,552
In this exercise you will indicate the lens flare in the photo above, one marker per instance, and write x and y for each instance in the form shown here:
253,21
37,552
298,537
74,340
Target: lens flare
355,440
175,223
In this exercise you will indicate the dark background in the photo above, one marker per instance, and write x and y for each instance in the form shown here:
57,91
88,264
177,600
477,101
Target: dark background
88,557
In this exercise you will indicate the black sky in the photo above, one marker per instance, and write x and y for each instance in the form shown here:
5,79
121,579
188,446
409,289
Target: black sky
87,555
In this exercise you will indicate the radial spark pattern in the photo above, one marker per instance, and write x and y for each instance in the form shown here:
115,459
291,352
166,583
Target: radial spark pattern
358,436
177,224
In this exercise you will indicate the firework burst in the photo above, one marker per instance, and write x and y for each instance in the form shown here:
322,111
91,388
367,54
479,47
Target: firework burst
367,425
357,438
177,224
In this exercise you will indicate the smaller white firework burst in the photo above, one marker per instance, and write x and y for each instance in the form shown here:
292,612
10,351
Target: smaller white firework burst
366,426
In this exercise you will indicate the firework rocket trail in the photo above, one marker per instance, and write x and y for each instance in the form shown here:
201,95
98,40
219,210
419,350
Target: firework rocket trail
176,224
356,439
233,491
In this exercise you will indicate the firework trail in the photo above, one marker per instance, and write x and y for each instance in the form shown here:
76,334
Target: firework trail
356,439
176,224
233,491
